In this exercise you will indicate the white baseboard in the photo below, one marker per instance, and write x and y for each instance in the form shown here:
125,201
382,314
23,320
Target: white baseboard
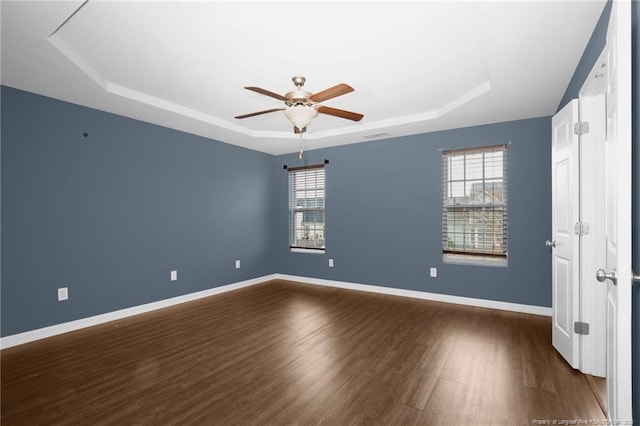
481,303
54,330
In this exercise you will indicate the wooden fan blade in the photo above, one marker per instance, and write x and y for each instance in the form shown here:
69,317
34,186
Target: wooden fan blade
260,112
332,92
340,113
266,92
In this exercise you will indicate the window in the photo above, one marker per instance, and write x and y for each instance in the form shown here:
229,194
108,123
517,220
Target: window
474,208
306,207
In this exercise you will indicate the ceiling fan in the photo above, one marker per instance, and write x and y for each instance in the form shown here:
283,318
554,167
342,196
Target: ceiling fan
300,106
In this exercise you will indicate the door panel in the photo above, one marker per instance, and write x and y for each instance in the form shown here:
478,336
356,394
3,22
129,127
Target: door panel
618,212
562,319
565,255
612,355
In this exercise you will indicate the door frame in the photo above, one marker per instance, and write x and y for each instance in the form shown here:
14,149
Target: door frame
619,47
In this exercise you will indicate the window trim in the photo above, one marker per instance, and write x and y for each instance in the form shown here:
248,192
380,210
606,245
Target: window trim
292,211
455,259
473,257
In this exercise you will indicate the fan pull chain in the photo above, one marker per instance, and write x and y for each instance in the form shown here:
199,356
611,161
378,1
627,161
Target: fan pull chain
301,147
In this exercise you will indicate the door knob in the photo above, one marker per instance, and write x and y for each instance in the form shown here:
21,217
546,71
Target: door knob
602,275
550,244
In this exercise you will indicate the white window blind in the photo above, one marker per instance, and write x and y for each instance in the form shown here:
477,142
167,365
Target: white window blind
474,208
306,207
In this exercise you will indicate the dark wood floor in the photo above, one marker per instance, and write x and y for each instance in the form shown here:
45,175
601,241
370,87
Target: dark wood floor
284,353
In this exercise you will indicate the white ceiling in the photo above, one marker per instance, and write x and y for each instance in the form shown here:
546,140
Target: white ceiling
416,66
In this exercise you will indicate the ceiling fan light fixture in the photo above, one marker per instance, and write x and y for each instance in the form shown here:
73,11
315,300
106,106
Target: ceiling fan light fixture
300,115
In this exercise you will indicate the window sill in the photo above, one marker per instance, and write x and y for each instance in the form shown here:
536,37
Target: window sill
303,250
456,259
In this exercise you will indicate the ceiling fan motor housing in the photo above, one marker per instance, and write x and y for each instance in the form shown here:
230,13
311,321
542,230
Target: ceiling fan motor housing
298,96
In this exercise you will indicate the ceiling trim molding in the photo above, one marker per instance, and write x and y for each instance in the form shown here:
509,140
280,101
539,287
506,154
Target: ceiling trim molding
77,60
132,94
439,66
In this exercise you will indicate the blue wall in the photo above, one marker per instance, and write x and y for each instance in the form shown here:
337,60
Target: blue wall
109,215
384,214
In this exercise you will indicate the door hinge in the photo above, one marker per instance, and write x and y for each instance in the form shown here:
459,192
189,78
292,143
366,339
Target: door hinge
581,128
581,228
581,327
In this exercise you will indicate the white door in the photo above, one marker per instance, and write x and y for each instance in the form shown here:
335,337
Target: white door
618,213
593,295
565,243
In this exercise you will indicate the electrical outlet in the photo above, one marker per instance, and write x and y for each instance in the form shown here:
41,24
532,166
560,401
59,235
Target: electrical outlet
63,294
330,263
433,272
174,275
237,264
